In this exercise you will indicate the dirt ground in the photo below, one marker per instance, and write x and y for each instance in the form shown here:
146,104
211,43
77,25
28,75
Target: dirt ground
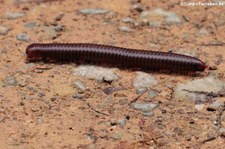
42,107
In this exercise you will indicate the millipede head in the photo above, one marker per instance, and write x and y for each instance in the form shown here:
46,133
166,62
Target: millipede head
33,53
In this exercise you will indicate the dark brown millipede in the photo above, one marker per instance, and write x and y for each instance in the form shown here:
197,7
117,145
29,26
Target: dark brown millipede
114,56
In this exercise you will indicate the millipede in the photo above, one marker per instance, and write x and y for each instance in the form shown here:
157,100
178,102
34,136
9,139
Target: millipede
87,53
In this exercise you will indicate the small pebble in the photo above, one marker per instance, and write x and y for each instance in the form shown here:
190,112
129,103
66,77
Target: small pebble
80,86
172,18
59,17
78,96
30,25
10,81
128,20
215,106
145,107
93,11
198,90
23,37
152,94
122,122
140,90
4,30
125,29
199,107
138,7
59,28
144,80
98,73
12,16
148,114
222,132
113,122
212,67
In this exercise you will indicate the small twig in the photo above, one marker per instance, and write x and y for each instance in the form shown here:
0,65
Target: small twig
213,44
209,139
96,110
135,99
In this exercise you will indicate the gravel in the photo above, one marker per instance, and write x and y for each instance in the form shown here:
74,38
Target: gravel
4,30
94,11
30,25
10,81
78,96
23,37
199,90
199,107
144,107
12,15
97,73
128,20
148,114
79,85
125,29
144,80
215,105
152,94
122,122
158,16
141,90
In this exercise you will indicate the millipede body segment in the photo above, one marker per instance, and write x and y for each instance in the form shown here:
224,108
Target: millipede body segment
114,56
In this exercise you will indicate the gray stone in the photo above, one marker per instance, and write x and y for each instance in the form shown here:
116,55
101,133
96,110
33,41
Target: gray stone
172,18
30,25
155,23
23,68
93,11
128,20
125,29
148,114
145,107
122,122
157,16
80,86
199,107
222,132
203,31
198,89
144,80
138,7
51,32
141,90
59,17
10,81
152,94
4,30
12,15
23,37
215,105
78,96
94,72
59,28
